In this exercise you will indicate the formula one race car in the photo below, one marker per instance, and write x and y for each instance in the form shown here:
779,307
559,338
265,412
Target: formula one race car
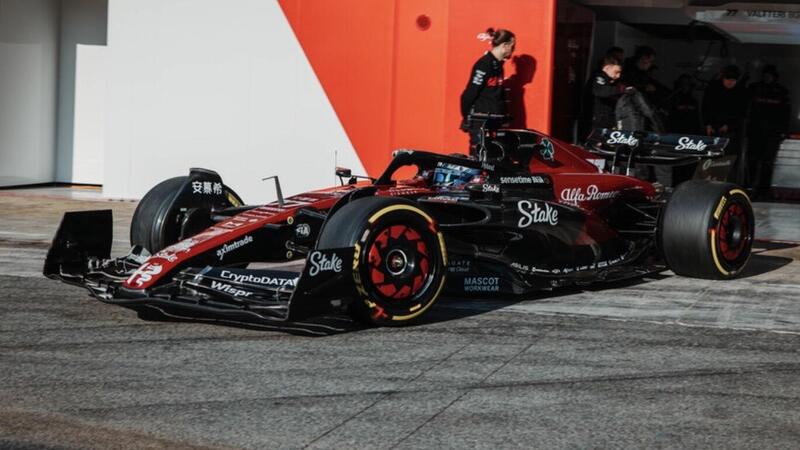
530,213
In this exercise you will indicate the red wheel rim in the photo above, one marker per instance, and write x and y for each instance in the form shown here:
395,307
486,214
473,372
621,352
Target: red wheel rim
399,262
734,232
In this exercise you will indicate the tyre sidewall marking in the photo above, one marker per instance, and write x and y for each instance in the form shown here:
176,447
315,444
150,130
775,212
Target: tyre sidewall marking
713,232
391,208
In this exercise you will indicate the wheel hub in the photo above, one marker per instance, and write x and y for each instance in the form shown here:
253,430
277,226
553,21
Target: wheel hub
733,232
396,262
399,262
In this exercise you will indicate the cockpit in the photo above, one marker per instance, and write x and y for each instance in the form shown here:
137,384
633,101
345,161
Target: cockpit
453,175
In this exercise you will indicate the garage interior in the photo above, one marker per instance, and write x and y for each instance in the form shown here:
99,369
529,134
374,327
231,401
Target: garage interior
695,37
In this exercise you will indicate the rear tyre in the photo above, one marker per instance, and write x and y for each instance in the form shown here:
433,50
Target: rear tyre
707,230
399,261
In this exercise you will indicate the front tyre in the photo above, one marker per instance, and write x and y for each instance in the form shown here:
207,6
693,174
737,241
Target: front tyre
178,208
707,230
399,262
154,224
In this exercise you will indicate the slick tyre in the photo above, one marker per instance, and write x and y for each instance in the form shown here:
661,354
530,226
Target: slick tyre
159,220
153,225
399,262
707,230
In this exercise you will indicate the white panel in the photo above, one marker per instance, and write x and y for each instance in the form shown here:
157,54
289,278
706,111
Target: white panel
221,85
81,22
89,131
28,57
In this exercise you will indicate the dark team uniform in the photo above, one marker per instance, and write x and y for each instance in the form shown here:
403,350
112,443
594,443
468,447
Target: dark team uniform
770,114
653,91
722,106
684,114
634,113
605,93
684,118
484,94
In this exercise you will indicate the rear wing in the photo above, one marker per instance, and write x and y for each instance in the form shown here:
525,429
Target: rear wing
653,148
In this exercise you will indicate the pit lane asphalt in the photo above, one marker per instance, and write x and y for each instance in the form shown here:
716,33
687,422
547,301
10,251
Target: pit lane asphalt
667,362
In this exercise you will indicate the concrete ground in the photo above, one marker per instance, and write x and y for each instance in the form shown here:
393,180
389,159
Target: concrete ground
667,362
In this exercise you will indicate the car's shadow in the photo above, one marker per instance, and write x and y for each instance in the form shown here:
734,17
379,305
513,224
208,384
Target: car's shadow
451,308
760,263
315,326
454,308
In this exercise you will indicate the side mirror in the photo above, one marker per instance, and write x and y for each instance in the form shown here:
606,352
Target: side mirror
343,172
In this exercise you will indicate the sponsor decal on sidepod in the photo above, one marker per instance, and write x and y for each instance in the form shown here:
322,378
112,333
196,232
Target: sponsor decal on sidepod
533,213
491,188
576,195
481,284
458,266
534,179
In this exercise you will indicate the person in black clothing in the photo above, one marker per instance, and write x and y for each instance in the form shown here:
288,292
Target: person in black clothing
484,92
634,113
637,72
684,110
605,91
587,96
724,109
684,118
770,113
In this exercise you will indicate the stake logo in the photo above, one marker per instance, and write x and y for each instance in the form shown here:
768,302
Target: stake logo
491,188
533,213
321,262
686,143
619,137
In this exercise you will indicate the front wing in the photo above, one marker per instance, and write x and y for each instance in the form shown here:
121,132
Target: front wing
286,299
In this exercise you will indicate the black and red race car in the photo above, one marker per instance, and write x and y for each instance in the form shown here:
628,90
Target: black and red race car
530,213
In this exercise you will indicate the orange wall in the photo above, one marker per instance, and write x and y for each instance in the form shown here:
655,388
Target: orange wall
394,83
